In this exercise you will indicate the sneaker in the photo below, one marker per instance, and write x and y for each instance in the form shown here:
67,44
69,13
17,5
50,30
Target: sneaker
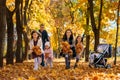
67,68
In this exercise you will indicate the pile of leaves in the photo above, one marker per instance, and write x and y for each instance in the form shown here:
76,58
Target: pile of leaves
66,48
24,71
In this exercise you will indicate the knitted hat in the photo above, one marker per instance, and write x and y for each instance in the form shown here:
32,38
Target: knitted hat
47,44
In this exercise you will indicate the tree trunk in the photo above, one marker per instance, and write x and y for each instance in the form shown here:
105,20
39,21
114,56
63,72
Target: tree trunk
97,31
2,29
87,37
58,33
19,33
26,44
22,24
96,35
10,38
87,48
27,31
25,10
72,13
94,28
92,20
116,41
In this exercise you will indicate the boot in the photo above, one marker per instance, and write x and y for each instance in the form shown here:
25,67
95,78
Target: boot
42,63
67,62
77,60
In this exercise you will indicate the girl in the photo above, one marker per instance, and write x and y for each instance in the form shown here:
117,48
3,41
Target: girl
79,49
48,55
36,41
68,36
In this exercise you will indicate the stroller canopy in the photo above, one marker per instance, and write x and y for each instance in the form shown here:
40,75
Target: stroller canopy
106,49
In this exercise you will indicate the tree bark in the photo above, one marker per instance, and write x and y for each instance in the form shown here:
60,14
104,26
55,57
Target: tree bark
116,41
19,34
26,45
2,29
87,37
96,37
22,24
94,28
10,37
87,48
25,10
25,32
93,21
97,32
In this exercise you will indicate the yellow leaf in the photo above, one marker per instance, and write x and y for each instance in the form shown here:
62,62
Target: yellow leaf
20,79
31,78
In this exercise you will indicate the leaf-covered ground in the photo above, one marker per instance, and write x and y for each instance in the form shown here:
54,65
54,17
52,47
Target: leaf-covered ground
24,71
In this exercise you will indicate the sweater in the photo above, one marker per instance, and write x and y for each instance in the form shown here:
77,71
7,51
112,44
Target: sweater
50,51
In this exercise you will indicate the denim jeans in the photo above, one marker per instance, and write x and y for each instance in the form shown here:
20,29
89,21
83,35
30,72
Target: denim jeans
42,63
37,61
67,61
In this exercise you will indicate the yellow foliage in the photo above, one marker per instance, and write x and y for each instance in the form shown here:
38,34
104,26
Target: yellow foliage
82,1
20,79
10,4
32,78
57,15
72,9
46,3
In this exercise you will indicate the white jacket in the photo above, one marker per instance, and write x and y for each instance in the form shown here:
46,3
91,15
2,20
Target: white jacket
39,43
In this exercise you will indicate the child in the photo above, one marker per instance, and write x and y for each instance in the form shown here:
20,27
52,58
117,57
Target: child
79,49
36,46
48,55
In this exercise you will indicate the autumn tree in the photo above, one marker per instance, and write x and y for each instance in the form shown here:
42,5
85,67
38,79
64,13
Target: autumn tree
116,41
55,9
10,10
87,32
26,28
2,28
95,28
19,51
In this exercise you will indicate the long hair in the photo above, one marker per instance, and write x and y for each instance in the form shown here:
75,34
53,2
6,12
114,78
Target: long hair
33,33
82,37
65,35
76,41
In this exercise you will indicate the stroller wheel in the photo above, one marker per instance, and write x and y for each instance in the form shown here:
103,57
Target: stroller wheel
95,66
108,66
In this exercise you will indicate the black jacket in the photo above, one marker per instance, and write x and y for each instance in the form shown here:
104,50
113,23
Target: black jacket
44,37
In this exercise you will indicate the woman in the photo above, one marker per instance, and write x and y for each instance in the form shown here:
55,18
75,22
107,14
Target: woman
36,41
68,36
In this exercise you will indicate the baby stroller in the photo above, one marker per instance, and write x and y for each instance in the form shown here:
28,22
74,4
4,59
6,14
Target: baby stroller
99,59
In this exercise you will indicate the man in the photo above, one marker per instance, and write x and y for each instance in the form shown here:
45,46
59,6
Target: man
44,34
45,38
